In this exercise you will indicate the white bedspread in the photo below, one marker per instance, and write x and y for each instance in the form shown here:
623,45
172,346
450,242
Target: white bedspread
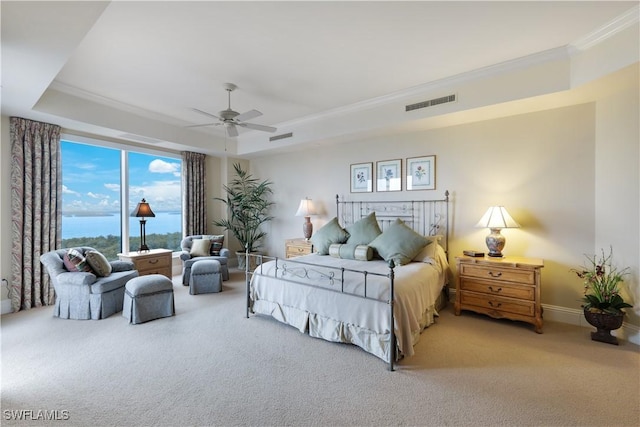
348,318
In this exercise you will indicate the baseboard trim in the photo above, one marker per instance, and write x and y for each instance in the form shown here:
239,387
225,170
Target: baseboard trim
574,316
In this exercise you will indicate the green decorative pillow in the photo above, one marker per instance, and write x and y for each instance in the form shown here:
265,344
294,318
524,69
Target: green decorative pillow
329,233
363,231
399,243
75,261
99,263
200,247
346,251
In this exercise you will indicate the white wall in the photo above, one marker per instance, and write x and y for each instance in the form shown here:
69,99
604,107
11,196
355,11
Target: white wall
617,189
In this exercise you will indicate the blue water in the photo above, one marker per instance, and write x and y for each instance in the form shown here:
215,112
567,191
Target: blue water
93,226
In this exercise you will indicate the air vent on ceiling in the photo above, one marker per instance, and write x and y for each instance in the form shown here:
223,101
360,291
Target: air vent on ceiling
283,136
431,102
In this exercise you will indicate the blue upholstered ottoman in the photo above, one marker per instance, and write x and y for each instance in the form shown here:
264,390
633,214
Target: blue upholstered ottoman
148,298
206,277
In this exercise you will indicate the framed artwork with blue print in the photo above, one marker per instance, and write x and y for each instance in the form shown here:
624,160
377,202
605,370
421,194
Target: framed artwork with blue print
362,177
421,173
389,175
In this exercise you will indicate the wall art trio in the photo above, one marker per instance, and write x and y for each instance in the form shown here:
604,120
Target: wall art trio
420,174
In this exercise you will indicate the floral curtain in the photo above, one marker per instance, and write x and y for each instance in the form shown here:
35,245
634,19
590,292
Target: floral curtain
194,194
36,190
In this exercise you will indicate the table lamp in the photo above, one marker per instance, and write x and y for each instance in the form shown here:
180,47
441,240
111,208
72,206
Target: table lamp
496,218
306,209
142,211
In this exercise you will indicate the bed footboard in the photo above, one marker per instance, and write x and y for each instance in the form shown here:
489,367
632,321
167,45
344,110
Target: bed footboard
326,278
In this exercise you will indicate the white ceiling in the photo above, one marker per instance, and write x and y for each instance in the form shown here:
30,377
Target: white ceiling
138,68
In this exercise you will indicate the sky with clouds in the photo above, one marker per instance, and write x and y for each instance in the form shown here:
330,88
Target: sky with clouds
91,180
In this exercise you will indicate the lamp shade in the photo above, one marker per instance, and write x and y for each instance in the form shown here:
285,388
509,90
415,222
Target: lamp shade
306,208
143,210
497,217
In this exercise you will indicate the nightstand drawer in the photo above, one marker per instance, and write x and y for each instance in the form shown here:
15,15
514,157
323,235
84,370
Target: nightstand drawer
498,289
503,288
498,273
498,304
297,247
153,263
297,251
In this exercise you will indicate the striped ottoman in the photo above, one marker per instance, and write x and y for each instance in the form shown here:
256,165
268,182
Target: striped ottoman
148,298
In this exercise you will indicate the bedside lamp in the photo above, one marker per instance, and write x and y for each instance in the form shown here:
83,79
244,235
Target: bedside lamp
496,218
142,211
306,209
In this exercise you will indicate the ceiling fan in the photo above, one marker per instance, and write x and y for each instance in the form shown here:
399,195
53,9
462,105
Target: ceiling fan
230,119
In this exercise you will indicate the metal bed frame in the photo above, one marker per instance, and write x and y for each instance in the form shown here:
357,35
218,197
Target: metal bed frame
427,217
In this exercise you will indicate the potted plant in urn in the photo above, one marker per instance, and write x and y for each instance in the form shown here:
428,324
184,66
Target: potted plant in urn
604,305
247,207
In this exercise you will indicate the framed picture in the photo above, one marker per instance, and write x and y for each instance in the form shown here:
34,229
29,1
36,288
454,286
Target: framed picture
362,177
421,173
389,175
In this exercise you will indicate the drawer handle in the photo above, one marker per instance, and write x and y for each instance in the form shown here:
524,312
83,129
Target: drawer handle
495,290
153,261
300,250
492,274
498,304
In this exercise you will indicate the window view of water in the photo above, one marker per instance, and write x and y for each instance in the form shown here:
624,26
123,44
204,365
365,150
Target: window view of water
100,225
92,187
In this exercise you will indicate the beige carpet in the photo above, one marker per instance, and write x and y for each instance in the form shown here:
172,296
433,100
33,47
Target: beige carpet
209,365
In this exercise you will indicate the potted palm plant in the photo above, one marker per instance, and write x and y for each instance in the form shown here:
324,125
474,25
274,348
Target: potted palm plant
247,201
604,305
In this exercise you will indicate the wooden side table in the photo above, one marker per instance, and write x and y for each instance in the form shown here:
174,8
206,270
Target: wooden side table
155,261
297,247
506,287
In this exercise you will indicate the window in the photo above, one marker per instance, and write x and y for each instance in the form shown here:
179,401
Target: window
97,198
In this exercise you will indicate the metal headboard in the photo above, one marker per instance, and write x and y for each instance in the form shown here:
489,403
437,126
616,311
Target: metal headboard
427,217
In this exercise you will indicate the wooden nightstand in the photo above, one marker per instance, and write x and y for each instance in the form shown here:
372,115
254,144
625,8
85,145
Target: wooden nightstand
297,247
506,287
155,261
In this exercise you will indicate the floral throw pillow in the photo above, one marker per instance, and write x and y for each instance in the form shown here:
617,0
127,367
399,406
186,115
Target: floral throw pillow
75,261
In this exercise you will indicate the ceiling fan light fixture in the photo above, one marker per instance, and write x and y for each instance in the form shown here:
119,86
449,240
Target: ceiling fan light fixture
230,118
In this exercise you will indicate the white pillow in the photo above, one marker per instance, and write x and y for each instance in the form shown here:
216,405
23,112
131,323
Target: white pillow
200,247
428,253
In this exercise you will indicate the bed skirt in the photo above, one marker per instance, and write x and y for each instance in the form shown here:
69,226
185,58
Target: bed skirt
328,329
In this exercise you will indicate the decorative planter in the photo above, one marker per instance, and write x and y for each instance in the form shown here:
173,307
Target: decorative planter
604,323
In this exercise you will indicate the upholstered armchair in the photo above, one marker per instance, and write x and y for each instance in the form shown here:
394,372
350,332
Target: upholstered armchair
189,256
83,294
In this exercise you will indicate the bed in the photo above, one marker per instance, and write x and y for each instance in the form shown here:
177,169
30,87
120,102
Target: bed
345,294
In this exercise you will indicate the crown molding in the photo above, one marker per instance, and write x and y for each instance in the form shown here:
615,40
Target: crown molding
608,30
447,83
110,102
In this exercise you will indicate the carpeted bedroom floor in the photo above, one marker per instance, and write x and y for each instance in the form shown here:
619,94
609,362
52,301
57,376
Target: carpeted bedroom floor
209,365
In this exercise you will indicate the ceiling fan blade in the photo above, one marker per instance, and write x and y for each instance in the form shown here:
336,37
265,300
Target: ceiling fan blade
258,127
251,114
231,129
202,125
205,113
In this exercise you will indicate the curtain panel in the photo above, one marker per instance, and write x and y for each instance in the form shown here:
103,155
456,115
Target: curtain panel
36,191
194,207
